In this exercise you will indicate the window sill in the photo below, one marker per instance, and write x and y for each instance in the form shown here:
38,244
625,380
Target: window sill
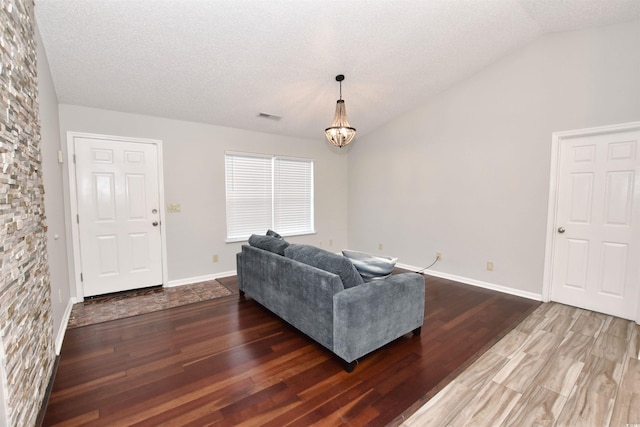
246,239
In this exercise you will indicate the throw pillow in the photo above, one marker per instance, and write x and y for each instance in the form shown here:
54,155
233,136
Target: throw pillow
268,243
326,261
273,234
371,267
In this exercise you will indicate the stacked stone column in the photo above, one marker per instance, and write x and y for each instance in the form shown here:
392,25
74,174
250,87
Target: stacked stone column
26,332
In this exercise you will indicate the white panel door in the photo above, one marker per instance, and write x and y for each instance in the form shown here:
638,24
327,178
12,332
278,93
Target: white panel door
118,215
596,262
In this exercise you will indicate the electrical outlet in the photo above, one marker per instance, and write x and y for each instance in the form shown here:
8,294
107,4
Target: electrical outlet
379,246
174,207
490,265
438,256
330,242
215,257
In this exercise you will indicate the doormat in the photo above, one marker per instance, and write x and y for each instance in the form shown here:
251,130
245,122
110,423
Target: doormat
127,304
117,296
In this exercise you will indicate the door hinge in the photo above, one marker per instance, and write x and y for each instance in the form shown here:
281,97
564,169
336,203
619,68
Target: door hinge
78,219
74,159
81,278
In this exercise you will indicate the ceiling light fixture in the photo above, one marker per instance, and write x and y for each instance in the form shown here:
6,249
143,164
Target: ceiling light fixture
340,133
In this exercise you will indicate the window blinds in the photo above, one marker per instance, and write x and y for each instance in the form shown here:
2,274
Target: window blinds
265,191
293,196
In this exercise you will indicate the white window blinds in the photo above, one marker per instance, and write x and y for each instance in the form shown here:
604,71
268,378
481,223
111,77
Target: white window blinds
293,196
265,191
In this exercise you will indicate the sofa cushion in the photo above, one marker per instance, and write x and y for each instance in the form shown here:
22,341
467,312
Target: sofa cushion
326,261
268,243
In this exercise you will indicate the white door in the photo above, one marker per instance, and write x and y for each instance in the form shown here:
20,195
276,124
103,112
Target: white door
596,262
118,215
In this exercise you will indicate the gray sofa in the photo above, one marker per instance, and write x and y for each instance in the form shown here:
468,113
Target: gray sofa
326,299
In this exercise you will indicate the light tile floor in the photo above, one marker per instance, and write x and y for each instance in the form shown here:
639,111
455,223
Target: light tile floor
562,366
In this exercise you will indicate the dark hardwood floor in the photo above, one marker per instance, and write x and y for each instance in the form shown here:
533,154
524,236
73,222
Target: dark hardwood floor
229,361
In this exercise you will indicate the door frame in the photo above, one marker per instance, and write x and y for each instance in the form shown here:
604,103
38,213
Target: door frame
554,181
73,203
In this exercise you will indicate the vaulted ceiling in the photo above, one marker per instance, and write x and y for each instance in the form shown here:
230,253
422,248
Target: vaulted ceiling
225,61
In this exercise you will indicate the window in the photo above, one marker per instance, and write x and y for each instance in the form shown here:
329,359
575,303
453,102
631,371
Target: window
265,191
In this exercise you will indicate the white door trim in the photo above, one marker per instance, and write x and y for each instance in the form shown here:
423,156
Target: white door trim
73,202
556,140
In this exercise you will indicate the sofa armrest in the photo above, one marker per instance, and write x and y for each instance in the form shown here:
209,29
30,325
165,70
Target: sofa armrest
370,315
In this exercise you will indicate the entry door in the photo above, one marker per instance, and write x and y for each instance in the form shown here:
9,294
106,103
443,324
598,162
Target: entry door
118,215
596,262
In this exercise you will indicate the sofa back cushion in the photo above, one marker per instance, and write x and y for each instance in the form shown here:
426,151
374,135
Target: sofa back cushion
327,261
268,243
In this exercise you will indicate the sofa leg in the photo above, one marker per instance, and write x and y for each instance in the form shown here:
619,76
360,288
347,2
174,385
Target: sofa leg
350,366
241,293
417,331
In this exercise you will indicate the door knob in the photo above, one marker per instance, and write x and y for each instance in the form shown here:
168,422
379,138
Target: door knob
154,223
561,230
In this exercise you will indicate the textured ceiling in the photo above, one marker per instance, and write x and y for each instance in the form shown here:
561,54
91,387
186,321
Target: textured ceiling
224,61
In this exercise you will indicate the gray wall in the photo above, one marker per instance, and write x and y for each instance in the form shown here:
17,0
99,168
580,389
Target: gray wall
53,194
194,178
467,174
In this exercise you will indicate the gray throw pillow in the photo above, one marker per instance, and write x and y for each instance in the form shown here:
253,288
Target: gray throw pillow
268,243
273,234
326,261
371,267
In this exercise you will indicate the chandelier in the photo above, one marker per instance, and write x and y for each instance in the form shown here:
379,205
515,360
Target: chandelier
340,133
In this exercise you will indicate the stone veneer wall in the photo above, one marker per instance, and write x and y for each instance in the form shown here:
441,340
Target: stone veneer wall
27,351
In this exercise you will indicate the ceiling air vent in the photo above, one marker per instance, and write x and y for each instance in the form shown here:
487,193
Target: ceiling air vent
269,116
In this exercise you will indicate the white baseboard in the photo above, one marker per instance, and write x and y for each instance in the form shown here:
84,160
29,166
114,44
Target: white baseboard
474,282
63,324
190,280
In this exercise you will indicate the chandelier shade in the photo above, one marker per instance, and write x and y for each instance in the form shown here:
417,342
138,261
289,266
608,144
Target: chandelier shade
340,133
